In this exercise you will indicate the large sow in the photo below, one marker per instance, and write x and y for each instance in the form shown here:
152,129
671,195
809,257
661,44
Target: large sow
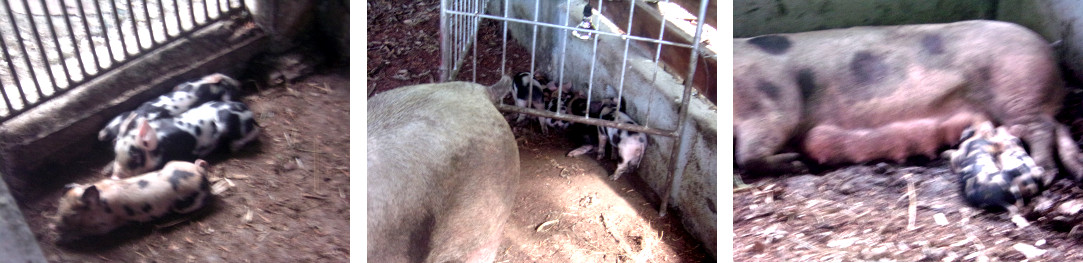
869,93
443,168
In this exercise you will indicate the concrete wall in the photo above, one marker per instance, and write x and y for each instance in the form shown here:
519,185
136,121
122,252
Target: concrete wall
652,98
753,17
1055,20
17,243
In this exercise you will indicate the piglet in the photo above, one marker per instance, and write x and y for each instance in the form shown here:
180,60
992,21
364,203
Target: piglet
629,145
96,209
995,170
213,87
194,134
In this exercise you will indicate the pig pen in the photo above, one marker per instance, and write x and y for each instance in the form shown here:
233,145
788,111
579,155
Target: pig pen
284,198
566,210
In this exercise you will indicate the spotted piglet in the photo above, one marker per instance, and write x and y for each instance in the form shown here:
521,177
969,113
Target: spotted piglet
995,170
629,144
194,134
96,209
213,87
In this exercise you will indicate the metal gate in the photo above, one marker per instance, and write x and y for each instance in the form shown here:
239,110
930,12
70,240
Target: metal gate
50,46
458,30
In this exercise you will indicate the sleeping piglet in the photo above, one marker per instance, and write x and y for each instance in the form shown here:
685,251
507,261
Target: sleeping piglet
95,209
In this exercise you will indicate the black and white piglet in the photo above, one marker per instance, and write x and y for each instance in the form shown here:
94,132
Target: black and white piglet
629,145
995,170
213,87
193,134
527,92
96,209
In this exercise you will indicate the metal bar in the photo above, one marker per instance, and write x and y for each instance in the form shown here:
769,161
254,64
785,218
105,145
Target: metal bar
586,120
477,20
105,32
504,51
41,50
661,35
445,71
89,37
74,43
206,12
593,62
563,55
678,152
4,92
161,16
593,31
624,60
533,49
192,11
11,67
25,54
135,31
56,43
149,23
120,33
176,17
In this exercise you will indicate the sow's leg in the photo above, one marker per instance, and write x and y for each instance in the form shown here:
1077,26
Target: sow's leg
443,168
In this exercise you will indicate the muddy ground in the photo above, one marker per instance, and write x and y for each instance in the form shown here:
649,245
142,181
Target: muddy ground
566,211
285,199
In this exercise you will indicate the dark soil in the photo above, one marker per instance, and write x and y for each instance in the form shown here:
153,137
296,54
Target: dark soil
286,197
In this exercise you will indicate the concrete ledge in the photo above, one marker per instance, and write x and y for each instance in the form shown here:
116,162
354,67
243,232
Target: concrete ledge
66,127
17,243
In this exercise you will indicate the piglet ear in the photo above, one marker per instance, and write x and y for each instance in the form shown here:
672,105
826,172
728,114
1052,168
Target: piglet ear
91,195
201,163
146,135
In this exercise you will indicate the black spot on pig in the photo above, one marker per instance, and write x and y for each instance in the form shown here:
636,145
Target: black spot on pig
129,210
147,208
198,130
186,202
177,176
105,203
143,184
767,88
204,185
806,82
868,68
136,156
984,75
932,44
771,44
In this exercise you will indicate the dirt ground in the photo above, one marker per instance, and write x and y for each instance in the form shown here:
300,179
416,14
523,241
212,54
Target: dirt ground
566,211
862,213
285,198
